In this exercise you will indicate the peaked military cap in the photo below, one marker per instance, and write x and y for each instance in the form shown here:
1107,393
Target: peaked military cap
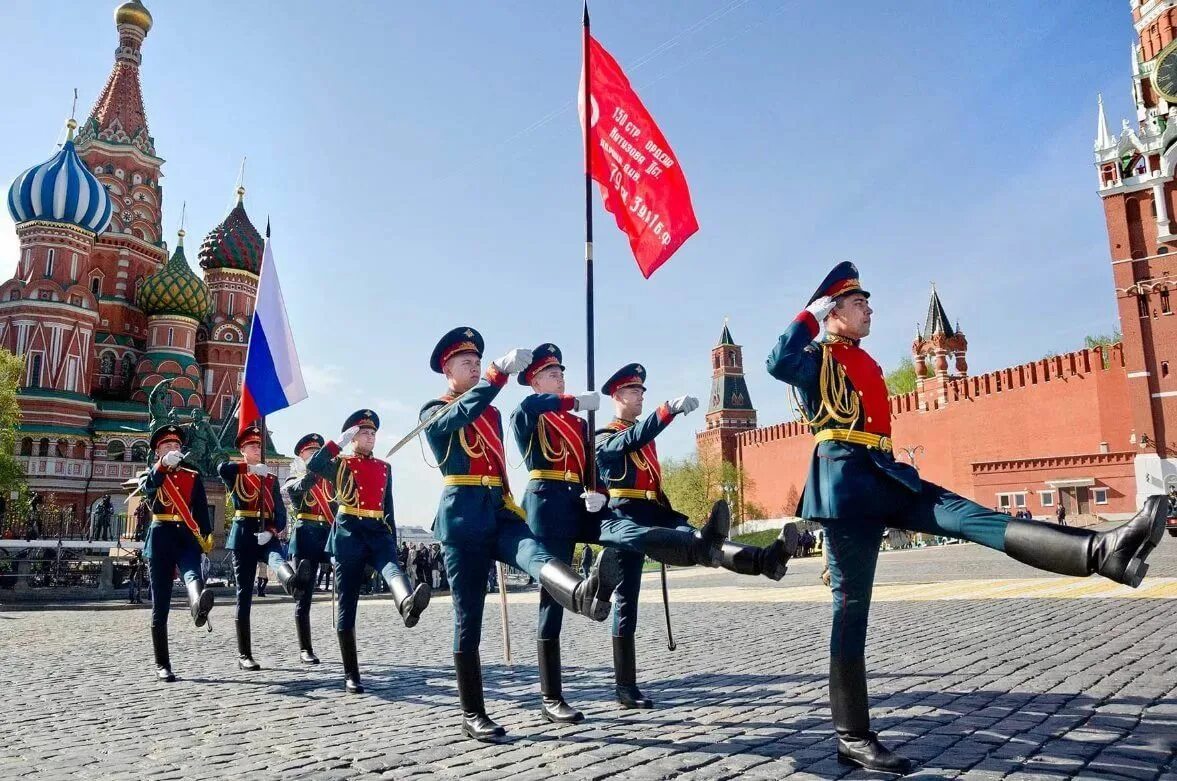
630,374
542,357
250,435
307,441
462,339
167,433
843,280
364,418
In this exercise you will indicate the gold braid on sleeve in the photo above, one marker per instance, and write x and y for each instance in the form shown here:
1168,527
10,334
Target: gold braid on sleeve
346,492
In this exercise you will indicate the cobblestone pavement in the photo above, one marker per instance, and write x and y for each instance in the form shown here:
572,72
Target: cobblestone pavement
970,678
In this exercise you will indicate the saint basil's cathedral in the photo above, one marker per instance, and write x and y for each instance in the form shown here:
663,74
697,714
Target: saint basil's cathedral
100,308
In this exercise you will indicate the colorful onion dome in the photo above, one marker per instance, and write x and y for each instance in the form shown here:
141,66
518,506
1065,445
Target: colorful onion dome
135,13
235,243
61,189
175,289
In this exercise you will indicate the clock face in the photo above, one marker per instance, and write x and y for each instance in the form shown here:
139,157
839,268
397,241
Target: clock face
1165,76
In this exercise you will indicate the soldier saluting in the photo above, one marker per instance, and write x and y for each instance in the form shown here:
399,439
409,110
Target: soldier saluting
313,501
642,522
364,532
180,530
856,489
258,516
477,520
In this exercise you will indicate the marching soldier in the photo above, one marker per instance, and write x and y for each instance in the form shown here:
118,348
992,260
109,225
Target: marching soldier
641,521
364,532
478,522
856,489
563,507
313,500
180,529
258,516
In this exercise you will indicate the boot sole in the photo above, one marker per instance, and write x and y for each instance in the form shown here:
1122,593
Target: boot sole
1137,567
577,719
719,522
420,600
787,542
845,760
203,606
489,737
609,576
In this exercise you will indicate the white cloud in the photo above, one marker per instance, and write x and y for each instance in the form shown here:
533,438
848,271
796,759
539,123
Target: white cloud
322,379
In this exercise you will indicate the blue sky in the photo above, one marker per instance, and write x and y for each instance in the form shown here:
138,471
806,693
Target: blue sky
422,166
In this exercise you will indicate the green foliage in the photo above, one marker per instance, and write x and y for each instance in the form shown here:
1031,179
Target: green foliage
12,476
903,378
693,485
1103,340
760,539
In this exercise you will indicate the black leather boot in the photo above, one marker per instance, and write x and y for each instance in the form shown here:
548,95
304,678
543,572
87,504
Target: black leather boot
200,601
302,626
351,663
297,582
625,673
857,745
554,708
411,602
159,647
588,596
714,532
771,562
1118,554
245,647
680,548
475,722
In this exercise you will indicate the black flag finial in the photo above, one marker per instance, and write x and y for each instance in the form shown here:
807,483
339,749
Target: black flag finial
267,226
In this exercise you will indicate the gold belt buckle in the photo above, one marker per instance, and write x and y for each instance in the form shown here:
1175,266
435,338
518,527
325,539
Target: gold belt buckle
885,444
651,495
486,480
569,476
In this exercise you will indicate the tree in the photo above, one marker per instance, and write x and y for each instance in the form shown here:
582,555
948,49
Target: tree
12,474
1104,341
902,379
693,484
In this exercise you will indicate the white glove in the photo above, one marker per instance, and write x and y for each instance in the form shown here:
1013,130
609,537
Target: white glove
593,501
346,437
683,405
263,537
515,361
821,308
171,459
261,470
587,402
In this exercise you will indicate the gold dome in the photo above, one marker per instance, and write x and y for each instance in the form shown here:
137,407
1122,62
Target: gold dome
133,12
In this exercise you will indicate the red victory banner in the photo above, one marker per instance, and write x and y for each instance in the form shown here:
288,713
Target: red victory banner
642,184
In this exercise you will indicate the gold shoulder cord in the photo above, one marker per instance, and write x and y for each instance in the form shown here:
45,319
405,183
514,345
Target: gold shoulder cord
837,404
346,492
241,488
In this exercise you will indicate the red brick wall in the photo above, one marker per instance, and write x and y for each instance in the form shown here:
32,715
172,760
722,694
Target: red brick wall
1062,406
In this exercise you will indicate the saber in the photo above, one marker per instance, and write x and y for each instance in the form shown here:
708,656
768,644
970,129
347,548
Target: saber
670,644
437,413
503,611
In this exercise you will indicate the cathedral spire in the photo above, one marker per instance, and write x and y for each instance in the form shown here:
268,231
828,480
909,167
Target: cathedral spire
118,117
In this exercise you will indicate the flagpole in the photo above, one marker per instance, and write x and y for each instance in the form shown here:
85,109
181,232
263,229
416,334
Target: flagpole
590,344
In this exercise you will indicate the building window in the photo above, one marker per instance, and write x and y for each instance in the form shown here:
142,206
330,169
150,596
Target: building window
96,286
226,407
1046,498
1164,368
1012,501
35,370
171,336
139,452
73,267
14,295
71,374
229,308
1099,495
1142,304
1165,303
49,262
115,450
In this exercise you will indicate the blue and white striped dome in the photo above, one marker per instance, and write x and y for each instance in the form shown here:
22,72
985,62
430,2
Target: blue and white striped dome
61,189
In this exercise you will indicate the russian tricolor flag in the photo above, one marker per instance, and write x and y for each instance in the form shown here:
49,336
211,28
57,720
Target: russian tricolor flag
273,378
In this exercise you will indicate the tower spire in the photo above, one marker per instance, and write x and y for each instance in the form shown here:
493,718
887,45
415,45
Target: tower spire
1103,136
118,116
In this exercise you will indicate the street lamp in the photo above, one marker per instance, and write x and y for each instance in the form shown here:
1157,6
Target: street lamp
911,452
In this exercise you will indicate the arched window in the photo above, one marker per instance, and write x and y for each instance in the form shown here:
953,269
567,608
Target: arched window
35,370
139,451
96,285
44,449
62,449
49,262
115,450
1142,304
26,446
1165,303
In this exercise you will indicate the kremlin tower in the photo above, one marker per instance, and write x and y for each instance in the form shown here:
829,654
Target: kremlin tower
99,311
